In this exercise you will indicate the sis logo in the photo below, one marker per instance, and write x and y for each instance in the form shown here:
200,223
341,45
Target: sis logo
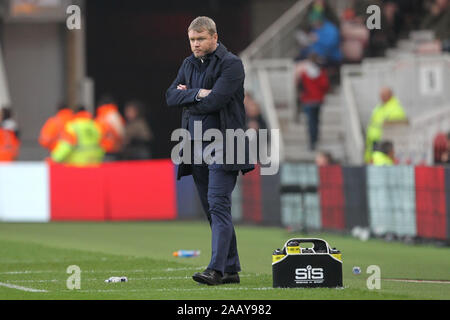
309,275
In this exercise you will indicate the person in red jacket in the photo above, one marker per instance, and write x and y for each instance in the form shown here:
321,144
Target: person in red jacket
315,85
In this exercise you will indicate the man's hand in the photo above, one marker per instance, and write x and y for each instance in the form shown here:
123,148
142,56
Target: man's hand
181,87
203,93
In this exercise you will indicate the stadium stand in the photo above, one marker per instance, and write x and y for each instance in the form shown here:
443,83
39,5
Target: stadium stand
419,80
415,69
270,74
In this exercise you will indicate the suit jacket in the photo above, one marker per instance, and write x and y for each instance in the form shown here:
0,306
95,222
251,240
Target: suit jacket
225,77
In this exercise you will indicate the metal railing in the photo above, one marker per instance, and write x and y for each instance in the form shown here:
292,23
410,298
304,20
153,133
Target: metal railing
426,128
275,40
413,143
269,67
4,91
269,110
354,136
419,82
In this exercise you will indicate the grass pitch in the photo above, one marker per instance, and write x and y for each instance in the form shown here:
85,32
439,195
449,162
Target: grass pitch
34,259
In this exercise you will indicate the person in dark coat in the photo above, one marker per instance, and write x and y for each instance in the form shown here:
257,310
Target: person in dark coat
210,89
138,134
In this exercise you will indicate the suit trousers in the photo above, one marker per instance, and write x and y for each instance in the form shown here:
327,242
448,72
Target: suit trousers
215,186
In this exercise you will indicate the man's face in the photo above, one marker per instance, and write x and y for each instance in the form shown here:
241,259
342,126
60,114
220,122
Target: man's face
321,160
202,42
385,95
130,112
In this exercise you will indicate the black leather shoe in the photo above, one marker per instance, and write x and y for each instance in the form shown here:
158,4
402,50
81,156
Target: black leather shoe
209,277
232,277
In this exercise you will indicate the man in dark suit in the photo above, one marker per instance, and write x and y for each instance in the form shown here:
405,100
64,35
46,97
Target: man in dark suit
210,89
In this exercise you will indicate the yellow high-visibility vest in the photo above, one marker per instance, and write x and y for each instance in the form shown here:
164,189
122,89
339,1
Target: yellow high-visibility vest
392,110
381,159
81,145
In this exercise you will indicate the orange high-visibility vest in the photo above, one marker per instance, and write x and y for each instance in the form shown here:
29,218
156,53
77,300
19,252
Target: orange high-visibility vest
80,142
9,145
112,125
53,128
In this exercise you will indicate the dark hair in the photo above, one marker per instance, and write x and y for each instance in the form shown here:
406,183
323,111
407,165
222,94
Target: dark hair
80,108
6,113
61,106
315,58
386,147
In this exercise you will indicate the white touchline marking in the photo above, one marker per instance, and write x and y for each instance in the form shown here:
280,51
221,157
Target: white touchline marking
419,281
12,261
183,269
27,271
62,271
177,289
113,290
162,278
113,271
215,288
13,286
31,281
100,279
103,271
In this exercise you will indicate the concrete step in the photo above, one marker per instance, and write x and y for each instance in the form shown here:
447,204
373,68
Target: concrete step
302,152
321,143
333,132
325,120
329,114
333,98
304,138
331,110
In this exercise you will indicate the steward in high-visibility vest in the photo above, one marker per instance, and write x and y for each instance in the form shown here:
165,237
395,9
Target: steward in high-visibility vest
112,125
381,159
384,156
80,142
54,127
9,145
389,110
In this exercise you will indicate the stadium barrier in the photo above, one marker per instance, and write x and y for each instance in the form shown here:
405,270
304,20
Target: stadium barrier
432,216
300,208
356,203
332,197
404,201
390,193
114,191
24,192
